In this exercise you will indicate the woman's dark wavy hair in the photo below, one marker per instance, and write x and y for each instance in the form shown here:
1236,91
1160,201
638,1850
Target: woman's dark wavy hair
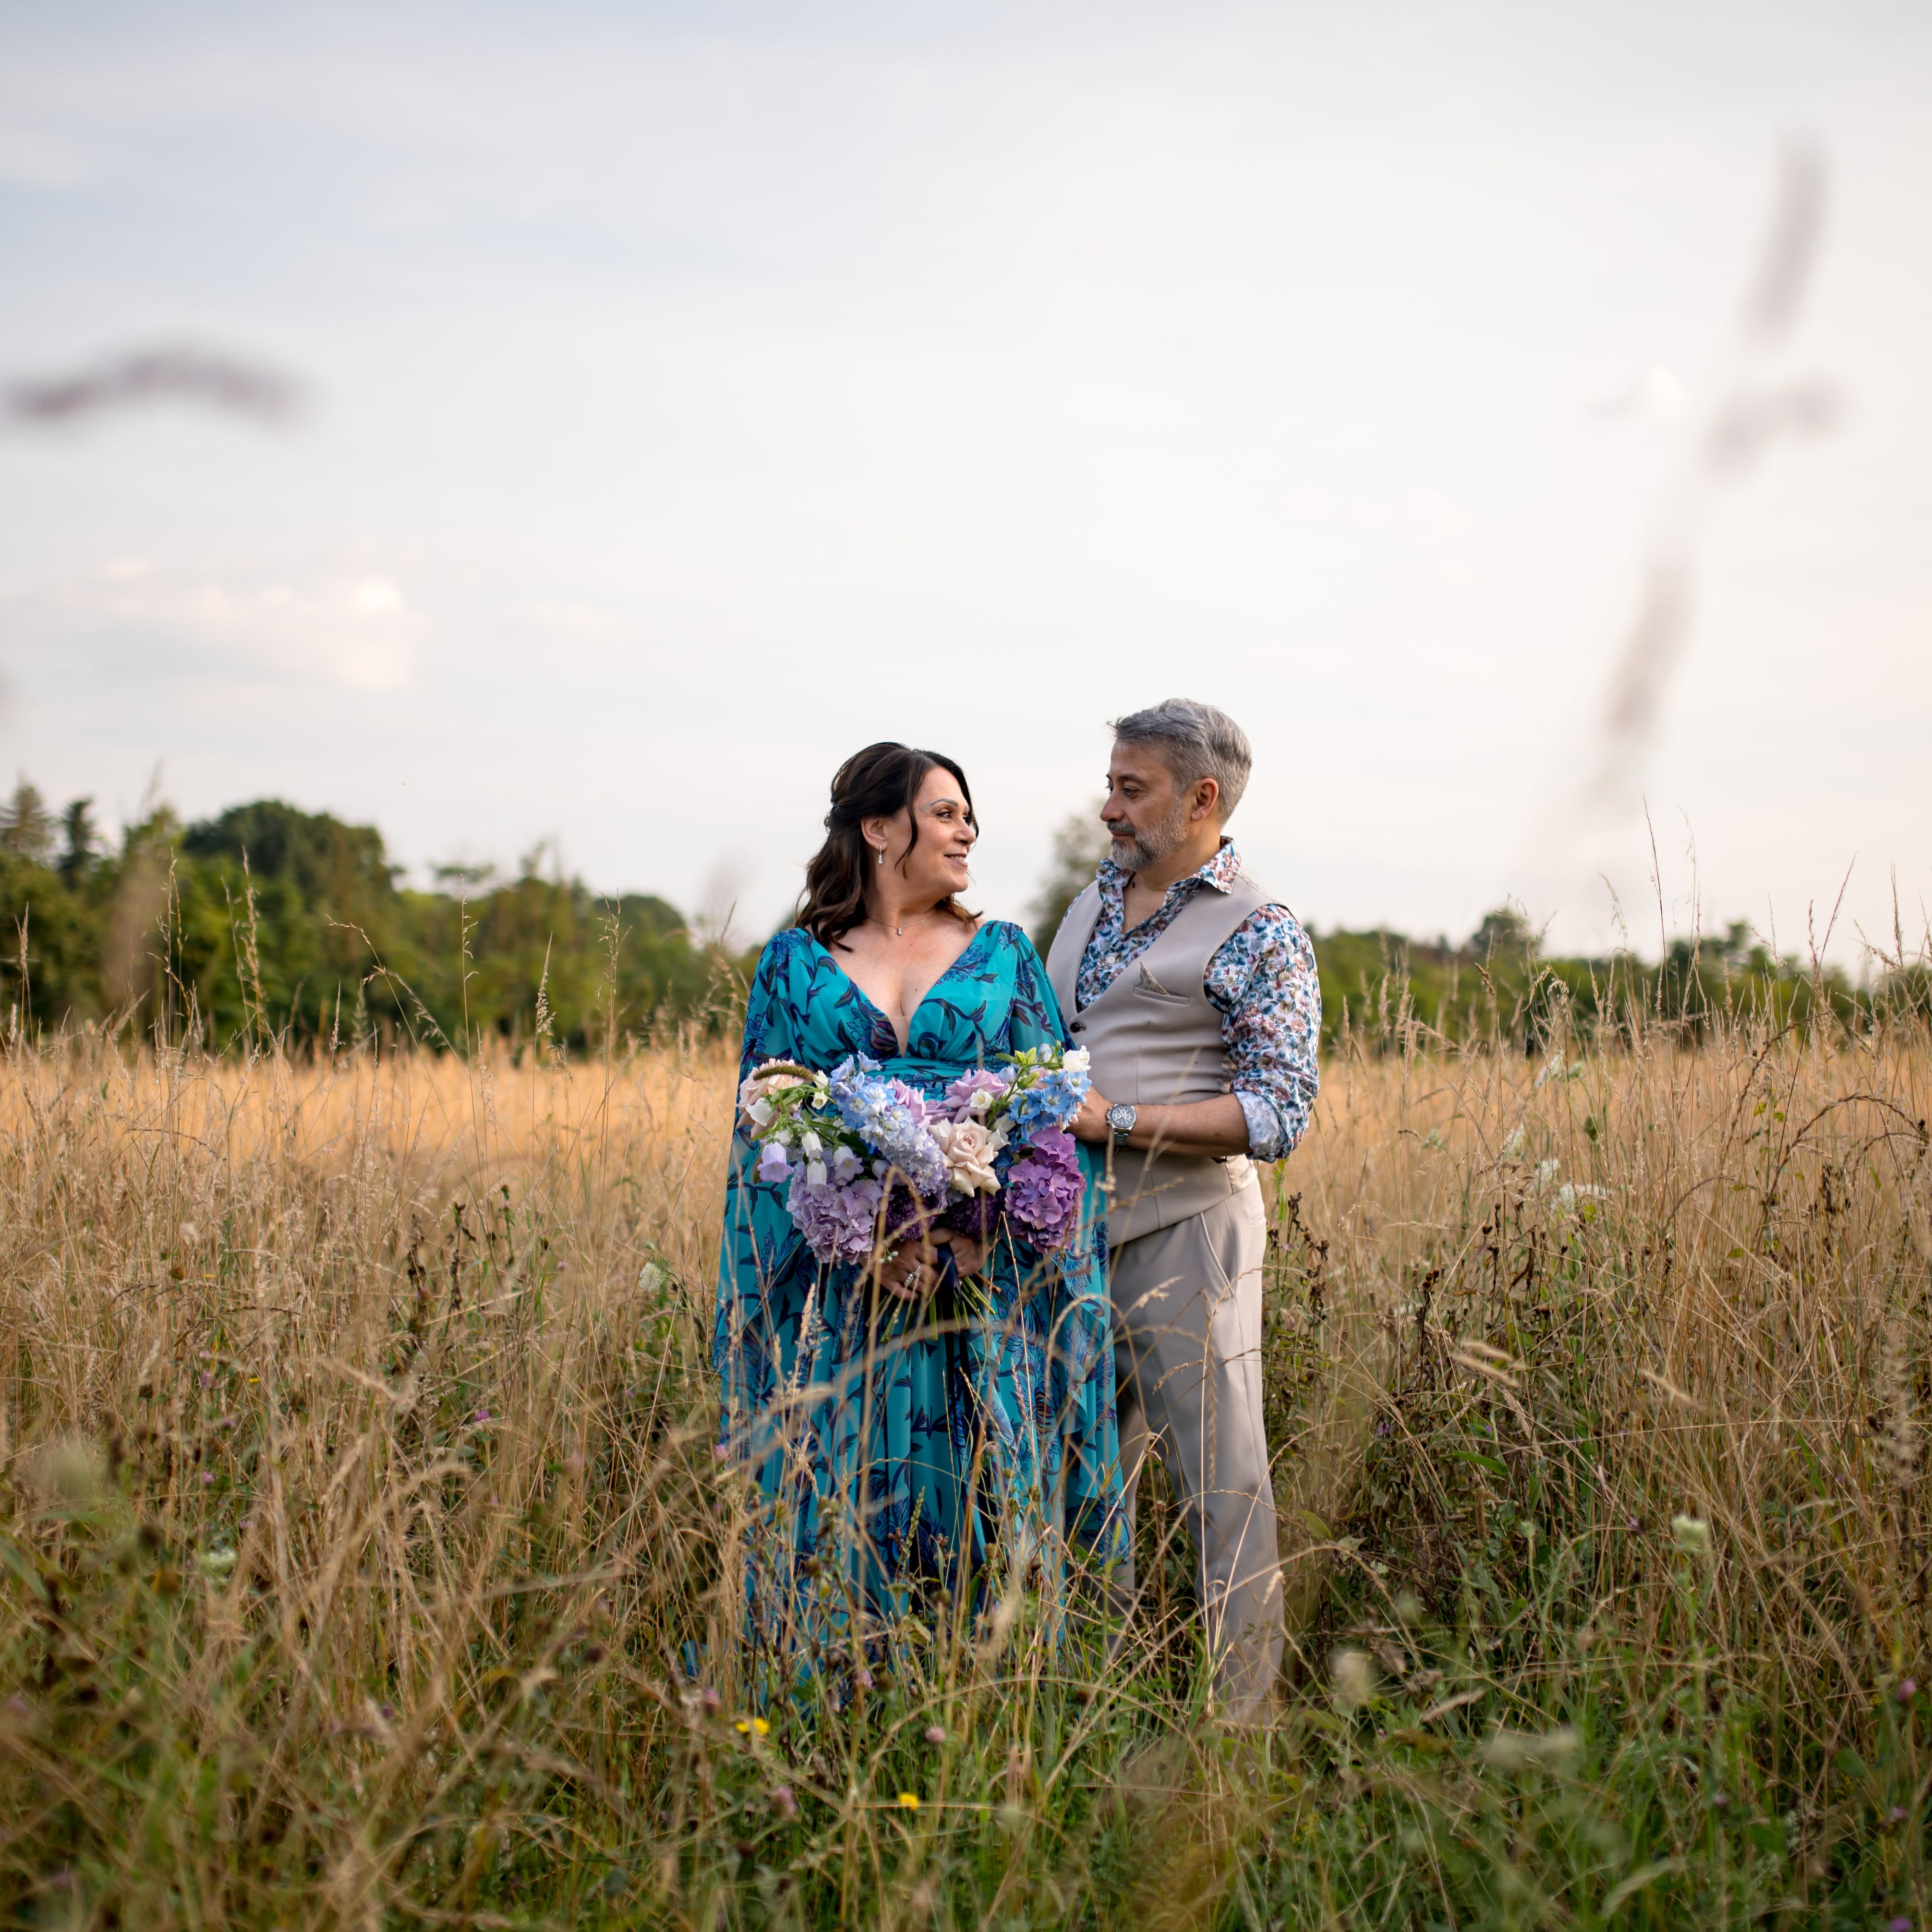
878,782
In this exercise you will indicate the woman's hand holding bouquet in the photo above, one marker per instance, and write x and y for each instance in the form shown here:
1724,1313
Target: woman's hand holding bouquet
874,1171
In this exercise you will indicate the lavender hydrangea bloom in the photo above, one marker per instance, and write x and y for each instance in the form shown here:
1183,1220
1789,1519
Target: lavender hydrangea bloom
1043,1189
837,1223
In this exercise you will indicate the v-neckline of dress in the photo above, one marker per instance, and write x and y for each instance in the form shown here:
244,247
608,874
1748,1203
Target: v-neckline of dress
912,1018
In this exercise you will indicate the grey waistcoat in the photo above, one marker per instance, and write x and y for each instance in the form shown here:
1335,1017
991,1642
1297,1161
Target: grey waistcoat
1156,1038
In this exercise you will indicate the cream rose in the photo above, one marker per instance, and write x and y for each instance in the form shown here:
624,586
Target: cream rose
969,1150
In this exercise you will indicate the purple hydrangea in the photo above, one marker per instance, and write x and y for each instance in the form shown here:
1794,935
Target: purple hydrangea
836,1222
1043,1189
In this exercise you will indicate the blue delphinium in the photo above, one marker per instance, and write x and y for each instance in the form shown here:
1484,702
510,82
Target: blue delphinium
889,1117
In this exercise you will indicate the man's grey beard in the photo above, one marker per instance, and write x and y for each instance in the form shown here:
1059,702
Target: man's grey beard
1160,840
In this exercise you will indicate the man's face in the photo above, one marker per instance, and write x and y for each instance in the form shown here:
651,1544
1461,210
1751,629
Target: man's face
1143,814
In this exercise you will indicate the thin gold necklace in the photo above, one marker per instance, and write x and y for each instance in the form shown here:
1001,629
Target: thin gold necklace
899,929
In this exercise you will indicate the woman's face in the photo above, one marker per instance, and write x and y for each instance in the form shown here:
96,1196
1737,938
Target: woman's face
941,835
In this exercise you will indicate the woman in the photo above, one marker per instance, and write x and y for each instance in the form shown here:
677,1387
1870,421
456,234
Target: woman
952,1401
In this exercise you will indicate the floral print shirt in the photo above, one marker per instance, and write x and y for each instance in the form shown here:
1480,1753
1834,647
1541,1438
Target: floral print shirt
1262,979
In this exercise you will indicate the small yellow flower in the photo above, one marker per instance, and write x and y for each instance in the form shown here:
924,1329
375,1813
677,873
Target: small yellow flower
908,1801
759,1725
742,1727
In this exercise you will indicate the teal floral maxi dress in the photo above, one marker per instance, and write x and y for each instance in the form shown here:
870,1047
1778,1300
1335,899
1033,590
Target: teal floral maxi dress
891,1443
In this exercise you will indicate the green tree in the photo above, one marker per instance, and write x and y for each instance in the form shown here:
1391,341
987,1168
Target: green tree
1079,844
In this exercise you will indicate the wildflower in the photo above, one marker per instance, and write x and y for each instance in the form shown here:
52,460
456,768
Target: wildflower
908,1801
481,1415
784,1803
1516,1750
1354,1679
935,1734
1901,1924
1908,1689
865,1680
747,1727
709,1700
1691,1534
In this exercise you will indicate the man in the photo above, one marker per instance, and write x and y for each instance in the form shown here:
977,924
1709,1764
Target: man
1195,991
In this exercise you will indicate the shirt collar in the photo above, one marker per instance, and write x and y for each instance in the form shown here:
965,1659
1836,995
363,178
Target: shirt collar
1220,872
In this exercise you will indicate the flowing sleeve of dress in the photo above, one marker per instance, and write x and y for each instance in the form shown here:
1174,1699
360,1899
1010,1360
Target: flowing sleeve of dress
761,1247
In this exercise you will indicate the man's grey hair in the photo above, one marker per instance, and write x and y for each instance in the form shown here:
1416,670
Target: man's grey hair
1197,742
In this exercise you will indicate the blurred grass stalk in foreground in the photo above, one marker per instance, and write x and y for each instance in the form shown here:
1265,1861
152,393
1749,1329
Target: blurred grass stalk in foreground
364,1560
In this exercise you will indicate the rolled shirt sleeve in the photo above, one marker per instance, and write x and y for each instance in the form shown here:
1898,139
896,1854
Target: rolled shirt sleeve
1263,980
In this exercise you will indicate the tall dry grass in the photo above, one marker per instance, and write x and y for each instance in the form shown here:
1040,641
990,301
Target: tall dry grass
364,1560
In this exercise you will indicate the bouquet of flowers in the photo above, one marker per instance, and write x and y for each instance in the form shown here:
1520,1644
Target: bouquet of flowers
863,1155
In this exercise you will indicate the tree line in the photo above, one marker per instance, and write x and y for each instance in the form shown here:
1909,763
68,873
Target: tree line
1380,988
267,922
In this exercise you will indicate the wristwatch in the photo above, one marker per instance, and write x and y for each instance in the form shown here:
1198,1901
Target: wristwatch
1120,1119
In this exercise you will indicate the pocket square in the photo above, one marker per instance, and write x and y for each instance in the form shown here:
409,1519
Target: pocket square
1147,983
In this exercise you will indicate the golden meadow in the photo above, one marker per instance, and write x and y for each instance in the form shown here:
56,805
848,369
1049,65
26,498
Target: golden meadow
365,1561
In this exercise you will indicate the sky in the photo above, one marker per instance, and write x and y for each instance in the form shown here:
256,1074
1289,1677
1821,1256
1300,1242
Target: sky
697,394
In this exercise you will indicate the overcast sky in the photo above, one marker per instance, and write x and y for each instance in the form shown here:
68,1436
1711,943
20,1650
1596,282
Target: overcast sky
699,393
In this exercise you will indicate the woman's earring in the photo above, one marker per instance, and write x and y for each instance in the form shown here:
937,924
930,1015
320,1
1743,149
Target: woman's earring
882,855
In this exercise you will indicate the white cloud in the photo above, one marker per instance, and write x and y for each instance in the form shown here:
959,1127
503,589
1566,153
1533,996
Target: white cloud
142,625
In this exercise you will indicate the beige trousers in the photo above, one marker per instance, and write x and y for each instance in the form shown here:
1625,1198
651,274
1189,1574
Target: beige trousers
1187,1316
